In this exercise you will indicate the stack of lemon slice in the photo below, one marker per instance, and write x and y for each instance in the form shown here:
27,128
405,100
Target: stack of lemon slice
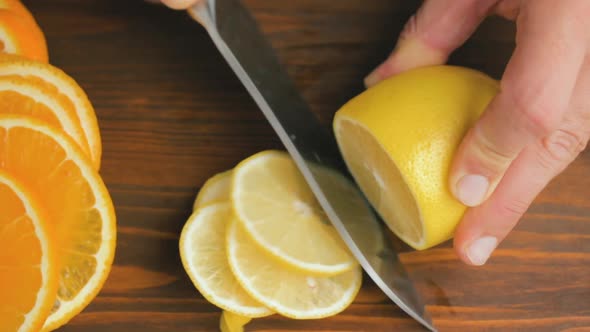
258,243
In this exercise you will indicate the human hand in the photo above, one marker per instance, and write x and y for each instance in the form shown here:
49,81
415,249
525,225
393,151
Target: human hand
532,130
180,4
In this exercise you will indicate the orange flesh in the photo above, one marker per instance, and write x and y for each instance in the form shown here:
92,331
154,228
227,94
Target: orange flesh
31,95
25,35
68,198
20,259
15,103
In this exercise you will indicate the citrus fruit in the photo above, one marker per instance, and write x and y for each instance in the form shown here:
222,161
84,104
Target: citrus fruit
20,96
230,322
20,34
77,203
398,139
217,188
291,293
65,89
202,250
278,210
363,229
16,7
28,261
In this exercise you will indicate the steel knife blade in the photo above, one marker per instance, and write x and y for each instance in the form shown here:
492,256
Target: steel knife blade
238,38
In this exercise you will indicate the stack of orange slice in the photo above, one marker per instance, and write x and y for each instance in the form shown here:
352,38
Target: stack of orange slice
20,33
57,221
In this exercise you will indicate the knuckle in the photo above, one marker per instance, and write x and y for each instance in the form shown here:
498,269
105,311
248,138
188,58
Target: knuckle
538,116
491,157
564,146
514,208
508,212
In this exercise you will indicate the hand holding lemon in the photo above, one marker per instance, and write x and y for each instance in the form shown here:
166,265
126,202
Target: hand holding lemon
398,139
534,127
531,131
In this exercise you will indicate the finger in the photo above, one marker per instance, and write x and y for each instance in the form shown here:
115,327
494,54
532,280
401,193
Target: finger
534,94
483,227
438,28
508,9
180,4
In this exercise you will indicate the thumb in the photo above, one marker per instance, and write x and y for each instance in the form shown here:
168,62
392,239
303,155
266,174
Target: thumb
436,30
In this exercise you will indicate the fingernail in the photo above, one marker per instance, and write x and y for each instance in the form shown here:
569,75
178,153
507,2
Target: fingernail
472,189
480,250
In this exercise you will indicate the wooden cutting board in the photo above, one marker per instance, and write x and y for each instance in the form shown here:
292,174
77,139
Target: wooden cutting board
172,114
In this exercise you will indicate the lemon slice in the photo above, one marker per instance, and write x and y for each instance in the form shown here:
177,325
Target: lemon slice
230,322
291,293
398,139
216,189
278,210
202,250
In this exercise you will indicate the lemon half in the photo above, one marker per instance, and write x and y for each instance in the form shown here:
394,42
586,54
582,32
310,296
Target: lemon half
398,139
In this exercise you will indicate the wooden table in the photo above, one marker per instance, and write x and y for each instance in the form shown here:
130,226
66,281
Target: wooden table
172,114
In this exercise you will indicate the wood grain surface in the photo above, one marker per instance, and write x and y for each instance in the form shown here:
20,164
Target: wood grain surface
172,114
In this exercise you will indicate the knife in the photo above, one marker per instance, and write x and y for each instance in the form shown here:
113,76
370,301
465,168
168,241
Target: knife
238,38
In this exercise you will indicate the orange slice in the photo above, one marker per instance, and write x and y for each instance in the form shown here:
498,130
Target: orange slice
16,7
28,267
77,202
20,34
21,96
65,88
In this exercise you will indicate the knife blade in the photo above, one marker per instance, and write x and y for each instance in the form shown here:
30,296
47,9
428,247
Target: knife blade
238,38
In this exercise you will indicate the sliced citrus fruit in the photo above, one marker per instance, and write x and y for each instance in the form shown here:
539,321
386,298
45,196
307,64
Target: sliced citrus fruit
276,207
76,200
65,88
28,260
16,7
230,322
398,139
202,250
20,34
20,96
290,293
216,189
362,226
